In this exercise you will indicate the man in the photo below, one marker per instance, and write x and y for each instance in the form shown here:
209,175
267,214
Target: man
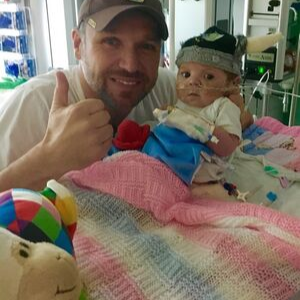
64,121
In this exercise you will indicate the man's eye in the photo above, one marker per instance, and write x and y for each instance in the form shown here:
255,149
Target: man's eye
149,47
185,74
111,41
209,76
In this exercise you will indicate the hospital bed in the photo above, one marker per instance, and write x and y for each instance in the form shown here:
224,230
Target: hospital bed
142,235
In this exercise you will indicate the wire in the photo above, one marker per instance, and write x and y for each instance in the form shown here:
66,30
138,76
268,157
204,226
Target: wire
242,87
282,92
267,73
273,91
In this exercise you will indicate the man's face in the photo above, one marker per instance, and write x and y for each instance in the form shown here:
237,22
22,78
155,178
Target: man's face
120,64
200,85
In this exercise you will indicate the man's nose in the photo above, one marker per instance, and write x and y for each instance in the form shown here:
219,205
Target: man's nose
129,60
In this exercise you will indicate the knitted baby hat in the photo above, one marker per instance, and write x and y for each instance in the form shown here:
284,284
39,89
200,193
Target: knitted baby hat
222,50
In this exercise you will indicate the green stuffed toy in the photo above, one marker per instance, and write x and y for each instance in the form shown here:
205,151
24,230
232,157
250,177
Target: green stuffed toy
36,251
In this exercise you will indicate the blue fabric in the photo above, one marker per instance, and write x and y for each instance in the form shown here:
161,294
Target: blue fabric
112,150
177,150
251,133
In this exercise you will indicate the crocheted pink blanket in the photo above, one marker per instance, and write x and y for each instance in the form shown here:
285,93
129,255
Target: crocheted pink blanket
276,142
141,235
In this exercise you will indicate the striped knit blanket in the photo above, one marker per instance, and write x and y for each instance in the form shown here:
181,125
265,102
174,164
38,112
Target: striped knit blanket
276,142
141,235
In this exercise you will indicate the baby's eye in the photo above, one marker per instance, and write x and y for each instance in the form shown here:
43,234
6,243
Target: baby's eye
209,76
185,74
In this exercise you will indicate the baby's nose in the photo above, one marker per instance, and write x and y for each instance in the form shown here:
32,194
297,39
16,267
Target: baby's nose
193,81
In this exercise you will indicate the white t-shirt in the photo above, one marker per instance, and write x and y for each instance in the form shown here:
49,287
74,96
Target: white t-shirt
24,115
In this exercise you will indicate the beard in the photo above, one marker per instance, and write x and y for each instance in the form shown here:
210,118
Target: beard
98,87
97,84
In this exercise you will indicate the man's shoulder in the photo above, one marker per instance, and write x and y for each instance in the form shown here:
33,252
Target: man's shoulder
48,79
165,85
40,80
32,89
39,87
166,75
162,94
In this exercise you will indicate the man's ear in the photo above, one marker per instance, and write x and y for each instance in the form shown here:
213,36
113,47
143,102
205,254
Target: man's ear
76,37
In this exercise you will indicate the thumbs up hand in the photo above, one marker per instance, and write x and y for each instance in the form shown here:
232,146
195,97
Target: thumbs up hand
60,98
77,134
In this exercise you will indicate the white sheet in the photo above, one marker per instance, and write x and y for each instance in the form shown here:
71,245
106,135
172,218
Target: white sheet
248,174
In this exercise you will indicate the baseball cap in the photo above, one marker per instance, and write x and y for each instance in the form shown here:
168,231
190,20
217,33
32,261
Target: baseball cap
99,13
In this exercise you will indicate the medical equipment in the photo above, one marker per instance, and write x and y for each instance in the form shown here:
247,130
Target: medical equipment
263,17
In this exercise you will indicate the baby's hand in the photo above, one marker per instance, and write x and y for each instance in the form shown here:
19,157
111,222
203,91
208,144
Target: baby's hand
246,117
161,113
238,100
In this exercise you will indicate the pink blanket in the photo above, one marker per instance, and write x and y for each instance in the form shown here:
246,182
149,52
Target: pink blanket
276,142
142,233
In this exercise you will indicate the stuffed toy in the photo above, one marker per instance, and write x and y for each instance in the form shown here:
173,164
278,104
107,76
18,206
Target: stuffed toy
131,135
36,271
37,260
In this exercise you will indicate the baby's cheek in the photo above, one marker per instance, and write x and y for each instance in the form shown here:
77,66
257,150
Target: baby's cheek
181,94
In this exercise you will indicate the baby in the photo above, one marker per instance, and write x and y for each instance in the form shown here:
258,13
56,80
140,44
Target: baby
197,136
208,72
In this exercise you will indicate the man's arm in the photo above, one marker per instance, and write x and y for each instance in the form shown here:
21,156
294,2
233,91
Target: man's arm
30,171
77,135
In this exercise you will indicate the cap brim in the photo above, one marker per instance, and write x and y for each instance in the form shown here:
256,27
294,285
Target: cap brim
102,18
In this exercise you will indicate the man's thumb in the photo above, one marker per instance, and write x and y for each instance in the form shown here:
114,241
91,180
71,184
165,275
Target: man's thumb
60,98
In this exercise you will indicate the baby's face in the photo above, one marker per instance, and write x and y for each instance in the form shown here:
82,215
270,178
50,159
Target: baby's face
200,85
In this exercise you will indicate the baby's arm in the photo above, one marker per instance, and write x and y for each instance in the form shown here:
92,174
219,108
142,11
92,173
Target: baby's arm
227,128
227,142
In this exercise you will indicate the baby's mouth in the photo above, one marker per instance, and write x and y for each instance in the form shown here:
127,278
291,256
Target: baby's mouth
193,94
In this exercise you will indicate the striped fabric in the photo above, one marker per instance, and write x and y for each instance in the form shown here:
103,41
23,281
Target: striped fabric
277,143
141,235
